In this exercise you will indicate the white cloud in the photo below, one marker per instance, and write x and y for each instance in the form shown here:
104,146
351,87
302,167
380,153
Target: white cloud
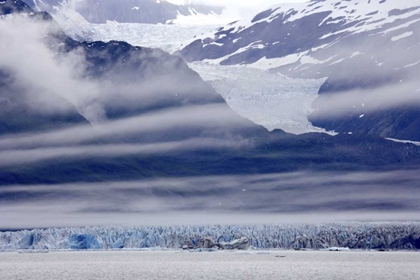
24,52
17,157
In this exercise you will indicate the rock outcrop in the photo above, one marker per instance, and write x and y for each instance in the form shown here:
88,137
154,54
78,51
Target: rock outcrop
207,243
239,244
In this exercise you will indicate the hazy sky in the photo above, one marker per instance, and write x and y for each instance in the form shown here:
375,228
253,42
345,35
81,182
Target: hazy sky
253,3
261,3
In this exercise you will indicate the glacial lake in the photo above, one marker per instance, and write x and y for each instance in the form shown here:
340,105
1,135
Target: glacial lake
211,265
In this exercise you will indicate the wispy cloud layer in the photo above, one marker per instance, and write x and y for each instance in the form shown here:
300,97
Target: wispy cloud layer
18,157
41,72
369,100
193,116
317,196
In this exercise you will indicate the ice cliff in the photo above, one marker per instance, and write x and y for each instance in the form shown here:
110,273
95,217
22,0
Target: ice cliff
394,236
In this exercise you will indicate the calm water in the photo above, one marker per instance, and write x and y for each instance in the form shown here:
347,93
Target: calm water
220,265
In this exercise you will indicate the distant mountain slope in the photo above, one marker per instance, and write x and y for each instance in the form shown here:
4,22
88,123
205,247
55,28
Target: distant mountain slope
128,11
302,39
358,45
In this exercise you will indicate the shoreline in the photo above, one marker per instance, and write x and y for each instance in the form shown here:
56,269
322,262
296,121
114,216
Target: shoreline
240,252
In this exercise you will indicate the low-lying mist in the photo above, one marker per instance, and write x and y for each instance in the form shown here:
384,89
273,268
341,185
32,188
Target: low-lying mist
273,198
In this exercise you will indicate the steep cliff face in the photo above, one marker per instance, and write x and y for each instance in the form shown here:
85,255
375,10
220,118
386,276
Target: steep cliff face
369,50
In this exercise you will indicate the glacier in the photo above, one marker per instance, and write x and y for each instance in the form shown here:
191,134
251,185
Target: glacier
169,38
353,235
268,99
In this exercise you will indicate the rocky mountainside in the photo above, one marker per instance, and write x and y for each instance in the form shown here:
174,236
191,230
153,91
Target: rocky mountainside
127,11
368,50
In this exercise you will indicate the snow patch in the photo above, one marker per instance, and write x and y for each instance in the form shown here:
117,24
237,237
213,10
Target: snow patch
269,63
355,54
412,64
402,36
402,26
404,141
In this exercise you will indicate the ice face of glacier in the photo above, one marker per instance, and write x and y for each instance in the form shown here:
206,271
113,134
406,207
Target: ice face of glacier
384,235
83,242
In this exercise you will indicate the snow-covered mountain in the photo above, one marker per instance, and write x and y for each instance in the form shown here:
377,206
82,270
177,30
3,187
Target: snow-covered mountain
359,45
130,11
297,39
